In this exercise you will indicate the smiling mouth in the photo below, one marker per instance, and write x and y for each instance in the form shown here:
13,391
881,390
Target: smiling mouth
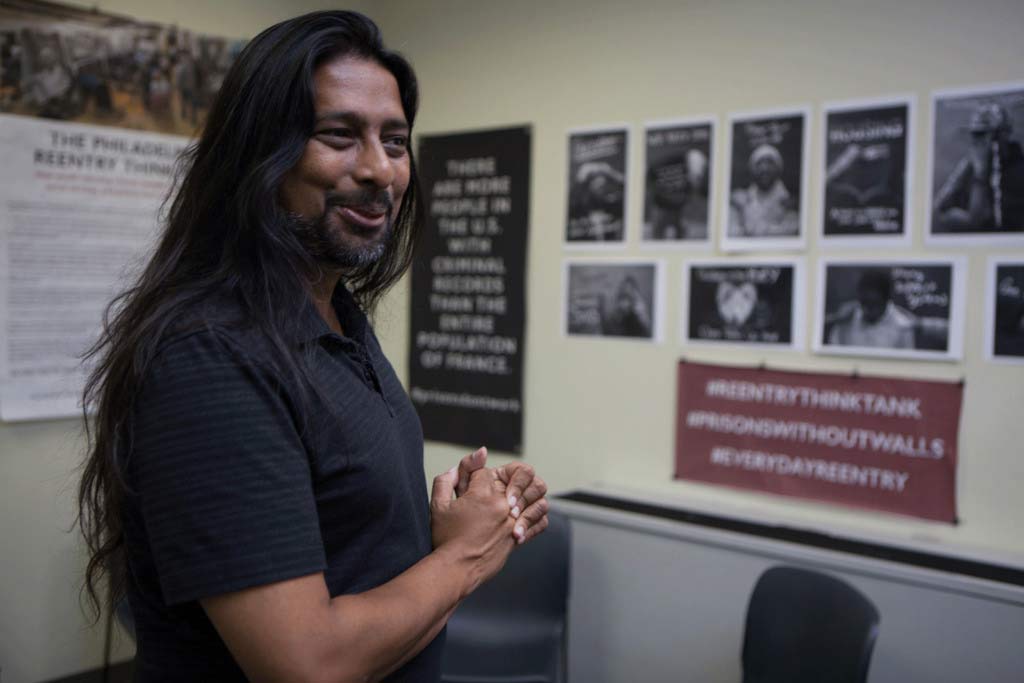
367,217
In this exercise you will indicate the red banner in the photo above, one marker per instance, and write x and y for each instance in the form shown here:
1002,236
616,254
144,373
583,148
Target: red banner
872,442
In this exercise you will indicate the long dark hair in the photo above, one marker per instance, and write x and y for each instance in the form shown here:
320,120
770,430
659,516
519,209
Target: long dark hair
226,234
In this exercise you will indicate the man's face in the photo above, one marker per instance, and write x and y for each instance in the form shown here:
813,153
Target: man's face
766,172
344,192
872,303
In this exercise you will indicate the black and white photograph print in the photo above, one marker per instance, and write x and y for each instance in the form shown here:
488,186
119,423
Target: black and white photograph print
976,165
867,181
896,307
764,206
1004,310
743,301
597,187
677,181
612,298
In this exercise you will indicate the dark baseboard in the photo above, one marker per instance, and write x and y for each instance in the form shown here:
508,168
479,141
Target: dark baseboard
117,673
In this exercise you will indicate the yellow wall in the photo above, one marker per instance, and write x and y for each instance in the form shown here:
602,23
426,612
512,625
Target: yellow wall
603,411
596,410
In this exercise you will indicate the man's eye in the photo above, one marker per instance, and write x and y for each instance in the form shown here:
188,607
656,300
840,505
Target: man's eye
397,141
335,134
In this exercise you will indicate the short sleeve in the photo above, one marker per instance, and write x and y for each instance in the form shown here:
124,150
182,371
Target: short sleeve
221,476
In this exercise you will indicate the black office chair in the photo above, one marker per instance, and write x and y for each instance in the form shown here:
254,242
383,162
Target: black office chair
807,627
513,628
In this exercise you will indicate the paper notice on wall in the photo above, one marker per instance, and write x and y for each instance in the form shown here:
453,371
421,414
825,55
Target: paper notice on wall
78,210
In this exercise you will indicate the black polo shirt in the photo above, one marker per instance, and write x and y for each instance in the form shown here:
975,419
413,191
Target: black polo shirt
237,483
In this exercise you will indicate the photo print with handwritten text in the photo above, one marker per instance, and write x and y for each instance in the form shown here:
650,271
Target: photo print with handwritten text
766,180
738,303
677,182
889,308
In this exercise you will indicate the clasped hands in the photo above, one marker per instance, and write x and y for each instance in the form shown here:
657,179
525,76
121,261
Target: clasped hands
484,512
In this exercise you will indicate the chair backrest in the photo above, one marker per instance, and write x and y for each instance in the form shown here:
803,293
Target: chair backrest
806,626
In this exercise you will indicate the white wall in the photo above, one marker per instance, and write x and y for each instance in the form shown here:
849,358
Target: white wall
602,410
43,632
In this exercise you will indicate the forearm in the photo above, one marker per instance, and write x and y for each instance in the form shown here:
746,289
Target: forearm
293,631
381,629
424,641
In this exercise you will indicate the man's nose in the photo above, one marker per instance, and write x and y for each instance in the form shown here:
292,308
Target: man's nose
373,166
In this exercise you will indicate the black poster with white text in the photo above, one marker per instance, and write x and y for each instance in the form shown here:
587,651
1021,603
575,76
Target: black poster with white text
468,306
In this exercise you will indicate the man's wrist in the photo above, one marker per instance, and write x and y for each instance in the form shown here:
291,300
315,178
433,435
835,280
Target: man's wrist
460,565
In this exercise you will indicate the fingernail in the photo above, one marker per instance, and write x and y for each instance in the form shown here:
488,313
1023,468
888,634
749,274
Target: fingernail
454,467
515,512
519,531
512,501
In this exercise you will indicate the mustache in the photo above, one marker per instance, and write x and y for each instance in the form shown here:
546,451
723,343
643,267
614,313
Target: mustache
378,200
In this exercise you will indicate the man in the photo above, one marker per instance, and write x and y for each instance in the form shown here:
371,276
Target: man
985,191
873,320
255,481
628,316
675,207
765,208
595,203
49,87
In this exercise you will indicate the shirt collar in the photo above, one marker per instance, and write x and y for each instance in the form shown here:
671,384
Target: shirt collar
311,326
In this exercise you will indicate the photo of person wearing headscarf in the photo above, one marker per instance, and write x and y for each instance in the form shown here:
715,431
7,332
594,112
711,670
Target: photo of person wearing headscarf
765,207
